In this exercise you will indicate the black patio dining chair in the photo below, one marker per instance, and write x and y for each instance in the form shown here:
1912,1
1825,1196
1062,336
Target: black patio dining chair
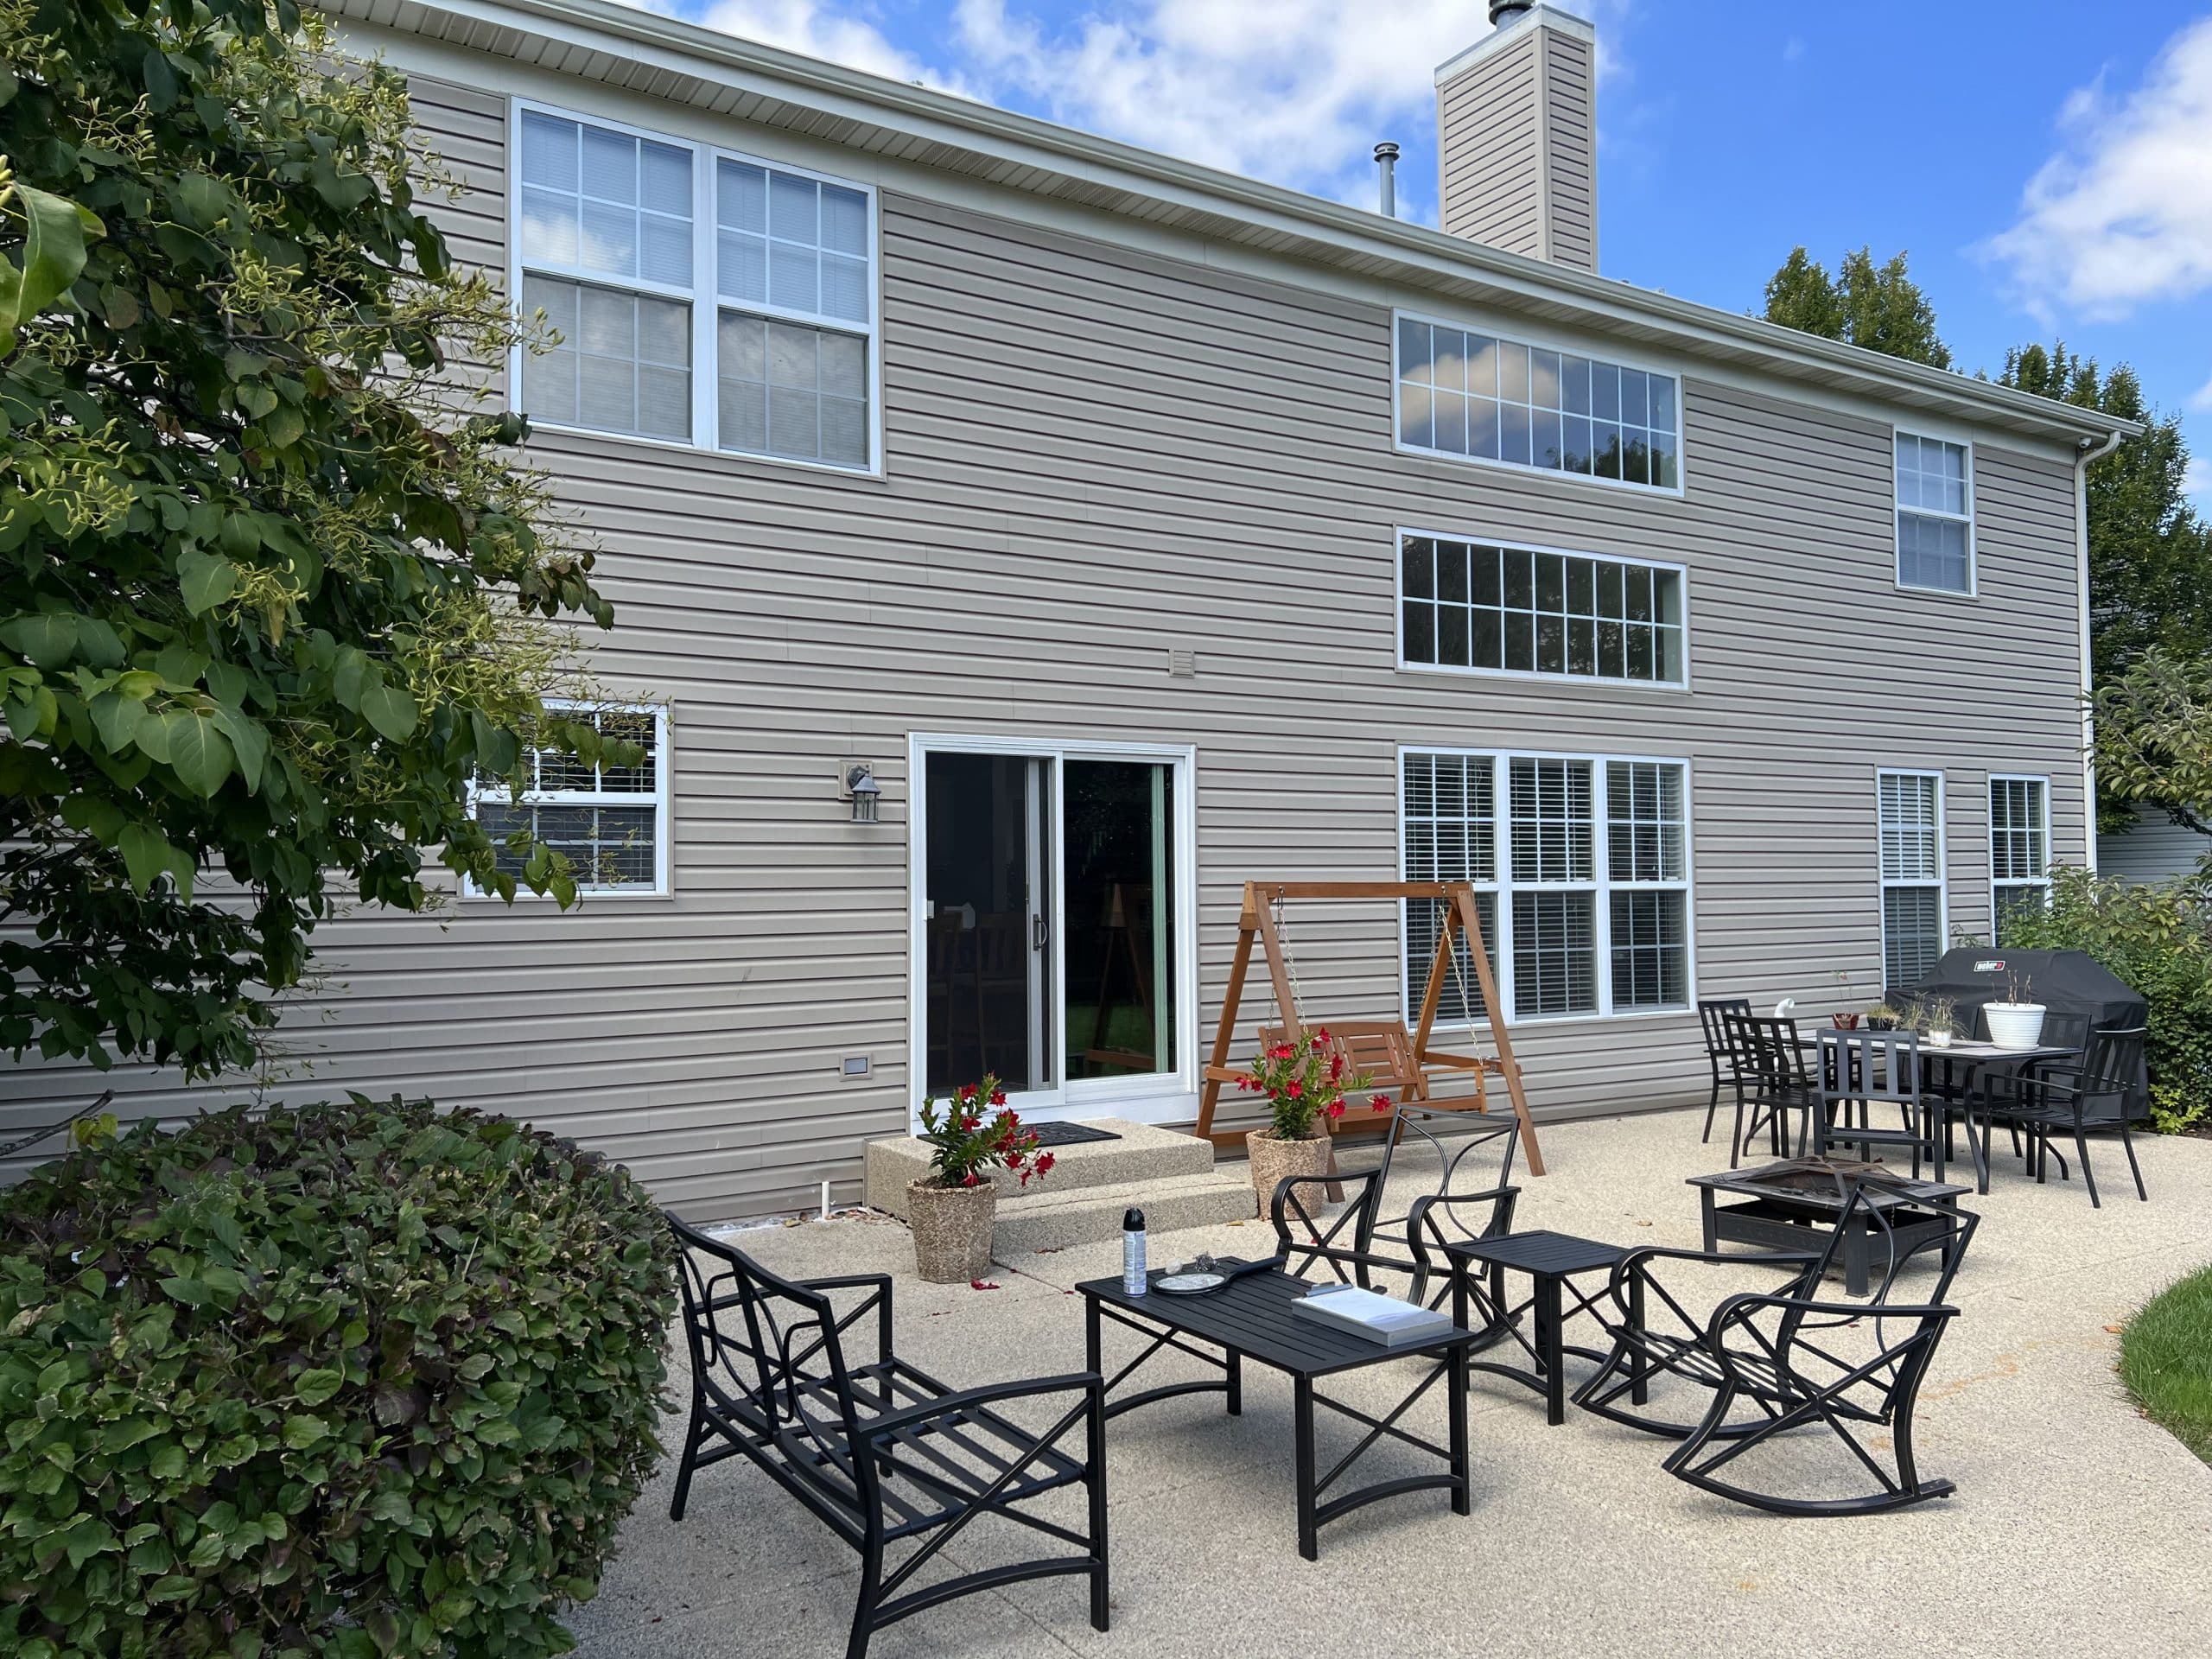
2098,1095
1861,1076
1772,1082
1767,1365
881,1452
1712,1014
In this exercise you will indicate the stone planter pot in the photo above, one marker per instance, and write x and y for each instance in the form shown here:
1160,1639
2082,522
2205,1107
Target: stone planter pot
2014,1025
1273,1159
952,1230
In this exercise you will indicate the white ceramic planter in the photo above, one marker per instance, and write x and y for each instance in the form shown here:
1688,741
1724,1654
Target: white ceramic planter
2013,1024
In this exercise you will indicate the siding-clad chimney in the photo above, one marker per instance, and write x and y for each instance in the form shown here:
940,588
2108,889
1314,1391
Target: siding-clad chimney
1517,135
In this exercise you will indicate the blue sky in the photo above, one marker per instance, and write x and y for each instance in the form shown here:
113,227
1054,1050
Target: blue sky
2047,166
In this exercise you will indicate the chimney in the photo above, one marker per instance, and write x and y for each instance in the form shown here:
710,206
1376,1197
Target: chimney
1517,135
1386,159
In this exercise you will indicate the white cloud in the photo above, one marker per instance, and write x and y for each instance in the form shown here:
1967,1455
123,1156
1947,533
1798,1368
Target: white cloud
2197,480
2202,397
819,29
2122,215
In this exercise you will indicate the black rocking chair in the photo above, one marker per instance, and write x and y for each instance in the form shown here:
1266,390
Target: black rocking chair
880,1452
1799,1361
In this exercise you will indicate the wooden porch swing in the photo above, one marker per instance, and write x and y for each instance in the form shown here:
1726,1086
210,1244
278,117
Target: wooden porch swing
1397,1058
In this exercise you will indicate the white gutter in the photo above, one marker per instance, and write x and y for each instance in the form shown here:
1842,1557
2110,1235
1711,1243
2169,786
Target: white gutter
2089,451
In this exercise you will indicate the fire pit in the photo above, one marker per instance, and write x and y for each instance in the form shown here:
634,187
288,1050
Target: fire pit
1785,1205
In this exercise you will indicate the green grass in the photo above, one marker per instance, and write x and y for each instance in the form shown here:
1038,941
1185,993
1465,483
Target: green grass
2165,1359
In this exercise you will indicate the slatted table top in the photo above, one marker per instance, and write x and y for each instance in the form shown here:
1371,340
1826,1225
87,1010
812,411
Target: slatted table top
1252,1316
1539,1251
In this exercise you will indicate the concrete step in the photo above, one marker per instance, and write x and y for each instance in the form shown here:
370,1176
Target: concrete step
1142,1153
1045,1220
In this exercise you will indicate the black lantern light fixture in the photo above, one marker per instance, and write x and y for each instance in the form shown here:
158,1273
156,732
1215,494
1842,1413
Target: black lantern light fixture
860,785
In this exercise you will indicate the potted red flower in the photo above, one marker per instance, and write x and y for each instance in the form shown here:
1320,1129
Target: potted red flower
1305,1082
976,1135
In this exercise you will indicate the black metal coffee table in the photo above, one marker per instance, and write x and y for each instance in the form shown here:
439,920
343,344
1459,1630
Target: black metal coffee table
1789,1205
1250,1318
1551,1261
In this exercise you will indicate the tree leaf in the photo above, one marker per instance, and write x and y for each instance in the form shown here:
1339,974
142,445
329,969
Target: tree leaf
315,1387
199,753
54,253
146,854
205,579
248,743
45,640
351,676
391,710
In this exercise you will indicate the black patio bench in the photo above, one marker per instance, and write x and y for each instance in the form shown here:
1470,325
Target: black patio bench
880,1452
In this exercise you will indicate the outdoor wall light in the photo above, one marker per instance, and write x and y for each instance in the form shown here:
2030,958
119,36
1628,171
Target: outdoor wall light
860,785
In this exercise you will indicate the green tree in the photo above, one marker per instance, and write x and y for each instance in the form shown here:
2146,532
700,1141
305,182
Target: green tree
271,588
1879,307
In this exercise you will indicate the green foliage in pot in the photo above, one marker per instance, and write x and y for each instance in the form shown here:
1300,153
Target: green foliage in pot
2159,939
356,1379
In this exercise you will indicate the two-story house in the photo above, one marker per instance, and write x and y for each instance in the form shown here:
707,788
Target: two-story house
1020,540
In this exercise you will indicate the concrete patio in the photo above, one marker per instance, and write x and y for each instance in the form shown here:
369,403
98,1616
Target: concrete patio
2078,1525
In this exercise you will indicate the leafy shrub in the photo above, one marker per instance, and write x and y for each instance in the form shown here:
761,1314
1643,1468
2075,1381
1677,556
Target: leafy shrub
356,1379
2158,938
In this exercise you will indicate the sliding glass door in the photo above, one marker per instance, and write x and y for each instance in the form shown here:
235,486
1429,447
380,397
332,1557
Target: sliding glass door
1051,938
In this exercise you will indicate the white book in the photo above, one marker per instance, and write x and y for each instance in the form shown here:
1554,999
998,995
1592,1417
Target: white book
1389,1321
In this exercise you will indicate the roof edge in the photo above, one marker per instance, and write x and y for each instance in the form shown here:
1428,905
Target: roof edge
1250,200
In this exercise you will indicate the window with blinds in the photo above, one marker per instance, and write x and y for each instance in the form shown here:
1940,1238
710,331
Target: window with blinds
1580,866
611,822
1910,826
2019,848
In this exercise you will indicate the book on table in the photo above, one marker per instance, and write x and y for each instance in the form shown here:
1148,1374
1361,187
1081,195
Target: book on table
1390,1321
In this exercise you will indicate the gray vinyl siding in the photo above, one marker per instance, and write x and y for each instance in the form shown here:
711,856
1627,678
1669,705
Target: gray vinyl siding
2152,849
1094,453
1517,143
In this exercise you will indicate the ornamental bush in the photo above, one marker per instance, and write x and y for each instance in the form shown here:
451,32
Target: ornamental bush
2159,939
358,1379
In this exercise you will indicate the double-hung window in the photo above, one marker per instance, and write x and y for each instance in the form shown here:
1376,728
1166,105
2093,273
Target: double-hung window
1909,821
1520,610
611,822
1580,866
696,297
2019,849
606,253
1477,396
1935,494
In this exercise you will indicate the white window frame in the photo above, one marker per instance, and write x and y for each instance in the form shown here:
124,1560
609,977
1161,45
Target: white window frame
1518,336
1601,885
1170,1097
663,886
1898,509
704,295
2041,881
1398,624
1884,881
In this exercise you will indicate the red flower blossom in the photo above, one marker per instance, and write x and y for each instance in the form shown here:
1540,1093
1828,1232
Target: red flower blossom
998,1096
1336,1066
1013,1160
1044,1163
1336,1109
1320,1035
967,1093
1380,1102
1296,1089
971,1179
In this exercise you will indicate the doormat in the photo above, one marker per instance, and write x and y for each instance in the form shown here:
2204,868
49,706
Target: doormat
1069,1135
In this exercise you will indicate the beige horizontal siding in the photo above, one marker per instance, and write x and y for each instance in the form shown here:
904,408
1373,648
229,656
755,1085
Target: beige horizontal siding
1095,453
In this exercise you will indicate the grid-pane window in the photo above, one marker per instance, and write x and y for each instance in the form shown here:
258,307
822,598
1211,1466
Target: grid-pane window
1934,488
794,261
605,237
1524,611
1463,393
2019,848
1910,825
1581,872
608,820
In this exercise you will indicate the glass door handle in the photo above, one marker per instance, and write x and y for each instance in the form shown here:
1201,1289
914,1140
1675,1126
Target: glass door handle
1036,932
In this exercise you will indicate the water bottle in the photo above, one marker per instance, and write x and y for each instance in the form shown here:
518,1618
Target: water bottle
1133,1280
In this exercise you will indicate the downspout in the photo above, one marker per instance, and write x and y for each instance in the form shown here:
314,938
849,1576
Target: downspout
2089,451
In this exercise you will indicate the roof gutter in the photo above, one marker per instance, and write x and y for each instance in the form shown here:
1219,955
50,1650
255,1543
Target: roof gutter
595,26
2090,450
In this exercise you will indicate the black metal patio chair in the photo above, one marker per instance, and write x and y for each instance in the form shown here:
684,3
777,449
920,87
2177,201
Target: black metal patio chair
1772,1081
1712,1014
1863,1073
2100,1095
1799,1360
881,1452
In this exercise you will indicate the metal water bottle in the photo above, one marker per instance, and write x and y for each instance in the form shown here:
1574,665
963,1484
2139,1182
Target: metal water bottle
1133,1280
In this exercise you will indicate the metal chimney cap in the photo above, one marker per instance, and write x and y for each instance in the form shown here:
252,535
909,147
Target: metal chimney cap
1386,151
1500,8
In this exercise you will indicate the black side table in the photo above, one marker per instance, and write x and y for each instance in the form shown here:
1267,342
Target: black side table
1551,1261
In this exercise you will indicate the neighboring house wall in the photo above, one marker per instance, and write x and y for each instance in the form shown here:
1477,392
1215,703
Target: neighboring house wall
1099,448
2152,849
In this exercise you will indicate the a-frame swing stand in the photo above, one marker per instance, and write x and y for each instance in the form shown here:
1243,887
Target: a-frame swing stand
1406,1078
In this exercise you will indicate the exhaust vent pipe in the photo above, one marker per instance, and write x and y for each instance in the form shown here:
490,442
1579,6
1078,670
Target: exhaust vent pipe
1386,159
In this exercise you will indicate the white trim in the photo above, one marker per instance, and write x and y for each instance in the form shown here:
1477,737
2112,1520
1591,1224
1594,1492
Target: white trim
660,799
1159,1097
1398,593
704,296
1600,885
1518,334
1882,881
1931,434
1990,806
